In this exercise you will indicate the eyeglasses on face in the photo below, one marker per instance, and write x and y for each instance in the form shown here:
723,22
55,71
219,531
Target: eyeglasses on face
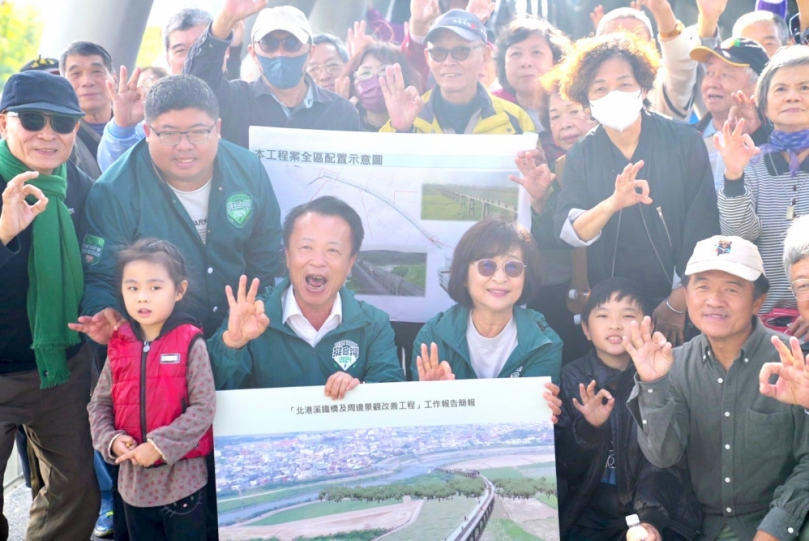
366,74
801,289
172,138
513,268
269,44
332,68
459,53
33,121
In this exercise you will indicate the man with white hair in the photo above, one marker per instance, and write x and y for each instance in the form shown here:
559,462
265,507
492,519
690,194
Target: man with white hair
766,28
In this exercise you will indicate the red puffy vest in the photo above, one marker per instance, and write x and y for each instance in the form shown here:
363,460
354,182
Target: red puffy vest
149,385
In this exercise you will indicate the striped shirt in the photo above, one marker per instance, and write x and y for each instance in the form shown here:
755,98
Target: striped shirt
755,208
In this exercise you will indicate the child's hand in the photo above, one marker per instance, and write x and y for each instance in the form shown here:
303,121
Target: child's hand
553,400
143,455
594,408
123,444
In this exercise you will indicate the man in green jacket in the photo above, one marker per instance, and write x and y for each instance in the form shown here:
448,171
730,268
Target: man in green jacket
210,198
308,330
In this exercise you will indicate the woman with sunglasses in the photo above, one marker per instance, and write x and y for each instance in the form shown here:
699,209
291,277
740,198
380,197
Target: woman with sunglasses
487,334
360,82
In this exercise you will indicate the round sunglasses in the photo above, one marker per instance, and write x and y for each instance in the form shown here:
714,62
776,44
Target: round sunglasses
270,44
33,121
487,268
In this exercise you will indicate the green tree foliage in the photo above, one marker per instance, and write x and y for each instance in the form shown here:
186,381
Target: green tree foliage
401,270
524,488
20,30
457,485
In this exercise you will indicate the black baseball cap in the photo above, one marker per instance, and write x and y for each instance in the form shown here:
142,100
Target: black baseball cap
40,91
460,21
50,65
739,52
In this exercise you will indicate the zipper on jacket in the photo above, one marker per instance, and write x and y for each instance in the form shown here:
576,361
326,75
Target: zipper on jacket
143,357
666,227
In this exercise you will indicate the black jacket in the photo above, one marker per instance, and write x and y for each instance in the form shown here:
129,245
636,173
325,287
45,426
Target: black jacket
16,354
661,497
645,243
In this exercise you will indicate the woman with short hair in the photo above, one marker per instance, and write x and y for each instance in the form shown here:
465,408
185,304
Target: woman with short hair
487,334
638,190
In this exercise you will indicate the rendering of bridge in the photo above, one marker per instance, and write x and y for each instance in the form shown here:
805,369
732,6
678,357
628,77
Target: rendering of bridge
473,203
374,280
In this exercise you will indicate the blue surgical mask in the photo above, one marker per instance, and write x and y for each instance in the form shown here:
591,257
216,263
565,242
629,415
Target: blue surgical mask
283,71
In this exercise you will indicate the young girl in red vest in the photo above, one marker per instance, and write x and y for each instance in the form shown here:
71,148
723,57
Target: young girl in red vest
152,409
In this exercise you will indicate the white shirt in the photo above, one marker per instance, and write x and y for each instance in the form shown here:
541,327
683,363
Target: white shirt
300,325
489,355
196,205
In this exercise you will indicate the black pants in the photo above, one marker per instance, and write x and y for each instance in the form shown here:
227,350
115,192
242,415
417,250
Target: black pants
183,520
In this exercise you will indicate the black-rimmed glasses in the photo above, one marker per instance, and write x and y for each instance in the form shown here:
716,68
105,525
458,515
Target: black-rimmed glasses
33,121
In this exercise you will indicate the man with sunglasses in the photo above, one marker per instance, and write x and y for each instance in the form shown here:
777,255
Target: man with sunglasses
44,368
456,52
284,95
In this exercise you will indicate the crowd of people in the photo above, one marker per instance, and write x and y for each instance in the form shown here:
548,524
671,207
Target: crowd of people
140,241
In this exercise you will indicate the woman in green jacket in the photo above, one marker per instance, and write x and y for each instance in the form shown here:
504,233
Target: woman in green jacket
487,334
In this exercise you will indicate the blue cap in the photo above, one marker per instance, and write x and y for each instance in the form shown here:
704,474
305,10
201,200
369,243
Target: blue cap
460,21
40,91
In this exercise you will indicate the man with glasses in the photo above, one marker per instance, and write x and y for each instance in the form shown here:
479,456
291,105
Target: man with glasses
329,58
44,368
284,95
456,52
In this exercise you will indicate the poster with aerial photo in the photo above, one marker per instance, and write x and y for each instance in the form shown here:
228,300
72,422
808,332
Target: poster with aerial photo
416,196
458,460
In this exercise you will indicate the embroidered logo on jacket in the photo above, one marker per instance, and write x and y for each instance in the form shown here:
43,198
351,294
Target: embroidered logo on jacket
91,248
239,207
345,353
517,373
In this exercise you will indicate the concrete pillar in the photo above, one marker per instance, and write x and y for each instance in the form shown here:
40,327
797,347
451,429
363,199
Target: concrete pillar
118,26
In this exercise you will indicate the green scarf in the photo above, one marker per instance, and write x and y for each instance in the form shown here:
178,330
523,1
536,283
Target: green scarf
55,275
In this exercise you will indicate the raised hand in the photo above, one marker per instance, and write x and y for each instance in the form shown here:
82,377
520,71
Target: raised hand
595,407
626,189
736,148
127,103
403,104
339,384
357,39
551,396
746,109
596,15
17,214
482,9
246,320
792,386
100,326
536,179
231,13
341,88
712,9
652,355
422,15
430,367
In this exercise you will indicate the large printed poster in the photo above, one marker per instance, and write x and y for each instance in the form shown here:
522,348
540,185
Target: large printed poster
428,461
416,194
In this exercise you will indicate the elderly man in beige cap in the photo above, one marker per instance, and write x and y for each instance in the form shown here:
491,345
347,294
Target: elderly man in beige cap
748,454
284,95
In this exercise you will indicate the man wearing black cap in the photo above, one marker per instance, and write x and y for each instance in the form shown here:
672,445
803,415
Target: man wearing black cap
456,52
44,368
731,73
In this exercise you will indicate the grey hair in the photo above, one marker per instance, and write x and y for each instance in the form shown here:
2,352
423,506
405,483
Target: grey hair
625,13
751,73
796,243
183,20
333,40
753,17
788,57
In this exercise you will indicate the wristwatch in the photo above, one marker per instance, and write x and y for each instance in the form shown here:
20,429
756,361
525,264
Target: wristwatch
678,29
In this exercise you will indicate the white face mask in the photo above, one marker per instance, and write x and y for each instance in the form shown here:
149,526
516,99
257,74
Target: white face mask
617,110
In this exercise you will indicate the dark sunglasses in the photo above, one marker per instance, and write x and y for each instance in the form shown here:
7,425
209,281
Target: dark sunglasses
270,44
513,268
460,53
33,121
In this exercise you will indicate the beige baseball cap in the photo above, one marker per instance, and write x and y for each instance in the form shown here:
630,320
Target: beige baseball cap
287,18
730,254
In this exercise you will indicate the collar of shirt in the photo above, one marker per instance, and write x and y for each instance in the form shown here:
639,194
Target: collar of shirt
757,344
312,95
778,166
293,316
